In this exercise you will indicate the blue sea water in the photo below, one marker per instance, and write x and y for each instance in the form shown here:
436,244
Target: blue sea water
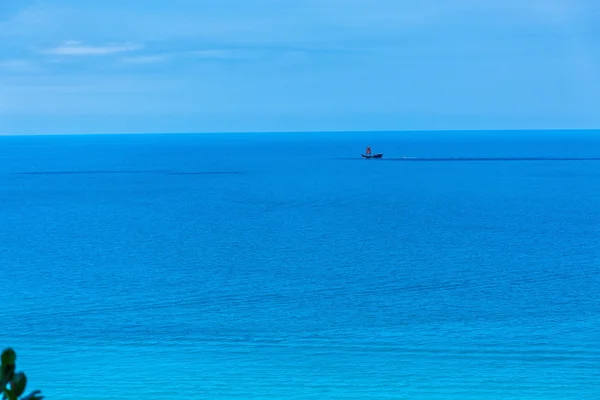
284,266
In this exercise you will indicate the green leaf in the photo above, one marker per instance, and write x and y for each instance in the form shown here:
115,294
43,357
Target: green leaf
9,356
18,383
10,395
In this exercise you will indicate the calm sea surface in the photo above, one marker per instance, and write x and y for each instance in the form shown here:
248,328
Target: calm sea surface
265,266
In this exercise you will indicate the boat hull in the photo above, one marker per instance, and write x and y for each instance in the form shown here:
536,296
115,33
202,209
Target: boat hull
379,155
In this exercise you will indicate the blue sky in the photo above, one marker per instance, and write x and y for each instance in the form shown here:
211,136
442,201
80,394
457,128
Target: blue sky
275,65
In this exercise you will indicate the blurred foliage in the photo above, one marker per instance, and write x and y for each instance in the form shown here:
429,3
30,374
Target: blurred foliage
13,382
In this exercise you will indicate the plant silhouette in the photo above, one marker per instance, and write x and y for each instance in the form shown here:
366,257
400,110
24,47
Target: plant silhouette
14,383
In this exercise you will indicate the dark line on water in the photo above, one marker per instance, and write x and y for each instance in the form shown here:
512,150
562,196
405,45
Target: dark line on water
434,159
207,173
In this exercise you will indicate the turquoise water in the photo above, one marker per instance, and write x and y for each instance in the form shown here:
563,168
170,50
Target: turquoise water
267,266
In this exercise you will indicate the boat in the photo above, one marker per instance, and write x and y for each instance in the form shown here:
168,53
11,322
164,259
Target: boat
369,154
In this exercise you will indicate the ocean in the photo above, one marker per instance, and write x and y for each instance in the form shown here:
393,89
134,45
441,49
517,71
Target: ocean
285,266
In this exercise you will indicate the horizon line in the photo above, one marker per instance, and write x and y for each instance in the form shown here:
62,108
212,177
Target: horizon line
513,130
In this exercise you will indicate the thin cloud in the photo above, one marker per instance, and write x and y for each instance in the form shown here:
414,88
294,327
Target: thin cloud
237,54
146,59
18,66
224,54
74,48
206,55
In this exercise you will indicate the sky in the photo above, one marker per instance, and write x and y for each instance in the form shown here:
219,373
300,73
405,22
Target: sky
116,66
